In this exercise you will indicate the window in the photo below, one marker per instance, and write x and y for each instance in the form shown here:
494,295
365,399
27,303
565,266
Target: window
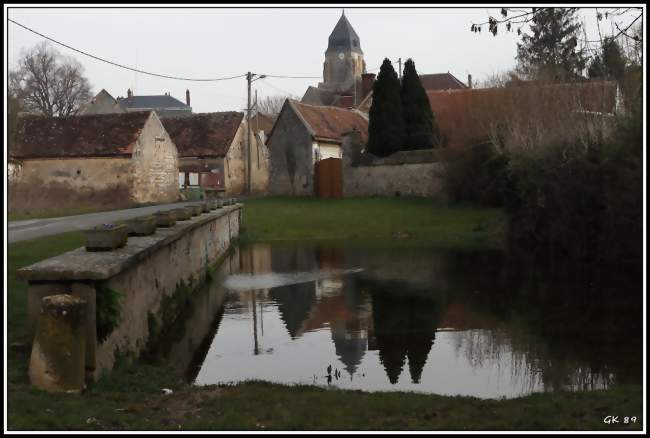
194,179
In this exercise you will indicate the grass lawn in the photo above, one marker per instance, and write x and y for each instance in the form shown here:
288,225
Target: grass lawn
130,396
415,219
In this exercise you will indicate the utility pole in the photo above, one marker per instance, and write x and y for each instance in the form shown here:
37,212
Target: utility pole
249,79
399,61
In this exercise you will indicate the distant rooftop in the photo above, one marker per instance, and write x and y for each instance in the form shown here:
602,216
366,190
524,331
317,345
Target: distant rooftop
164,101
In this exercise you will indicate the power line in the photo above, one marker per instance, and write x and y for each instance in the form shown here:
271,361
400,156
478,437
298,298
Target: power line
292,77
125,66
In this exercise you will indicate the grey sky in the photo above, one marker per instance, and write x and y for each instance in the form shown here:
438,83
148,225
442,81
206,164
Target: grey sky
226,42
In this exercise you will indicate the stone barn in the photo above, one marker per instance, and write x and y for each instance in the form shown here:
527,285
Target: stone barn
212,153
107,160
302,135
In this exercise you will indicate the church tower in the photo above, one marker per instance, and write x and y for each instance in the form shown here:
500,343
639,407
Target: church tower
344,62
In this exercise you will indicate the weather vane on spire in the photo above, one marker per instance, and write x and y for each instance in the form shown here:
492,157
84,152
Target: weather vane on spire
344,12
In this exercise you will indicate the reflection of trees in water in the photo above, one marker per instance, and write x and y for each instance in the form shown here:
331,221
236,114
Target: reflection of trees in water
404,327
563,329
528,360
294,304
294,301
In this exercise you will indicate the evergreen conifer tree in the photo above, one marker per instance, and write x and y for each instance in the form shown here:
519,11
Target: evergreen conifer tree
421,128
552,50
386,131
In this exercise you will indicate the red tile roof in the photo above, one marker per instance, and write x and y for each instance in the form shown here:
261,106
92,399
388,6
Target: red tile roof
441,81
203,135
77,136
330,123
456,111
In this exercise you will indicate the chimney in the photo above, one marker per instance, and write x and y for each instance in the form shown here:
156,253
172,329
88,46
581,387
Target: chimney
129,93
187,97
367,79
469,81
346,101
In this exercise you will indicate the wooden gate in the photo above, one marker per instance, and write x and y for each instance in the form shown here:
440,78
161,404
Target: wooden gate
328,176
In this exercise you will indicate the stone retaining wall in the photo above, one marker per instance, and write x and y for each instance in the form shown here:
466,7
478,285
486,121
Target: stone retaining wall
146,272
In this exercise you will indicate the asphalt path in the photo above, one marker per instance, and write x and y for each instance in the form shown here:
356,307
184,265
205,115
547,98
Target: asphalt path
33,228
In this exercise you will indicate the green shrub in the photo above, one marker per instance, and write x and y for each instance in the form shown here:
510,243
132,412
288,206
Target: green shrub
477,175
108,310
582,203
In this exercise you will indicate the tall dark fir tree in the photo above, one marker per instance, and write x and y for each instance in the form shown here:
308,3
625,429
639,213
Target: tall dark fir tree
421,129
386,130
551,52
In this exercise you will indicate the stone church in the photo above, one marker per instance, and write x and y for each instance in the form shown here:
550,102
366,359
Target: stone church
344,70
346,83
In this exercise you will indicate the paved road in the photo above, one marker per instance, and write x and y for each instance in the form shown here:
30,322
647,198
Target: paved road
32,228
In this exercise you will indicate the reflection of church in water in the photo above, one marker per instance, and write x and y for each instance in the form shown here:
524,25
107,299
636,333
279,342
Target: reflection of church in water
360,316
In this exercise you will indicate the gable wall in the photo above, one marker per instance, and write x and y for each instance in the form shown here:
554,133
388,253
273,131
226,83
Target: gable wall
155,165
291,169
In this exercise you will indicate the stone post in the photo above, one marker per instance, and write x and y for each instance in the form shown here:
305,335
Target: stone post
58,360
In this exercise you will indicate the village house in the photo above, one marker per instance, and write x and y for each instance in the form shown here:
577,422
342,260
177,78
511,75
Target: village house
303,135
102,103
212,153
109,160
164,105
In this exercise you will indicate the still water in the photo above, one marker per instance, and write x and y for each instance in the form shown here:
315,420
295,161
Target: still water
410,319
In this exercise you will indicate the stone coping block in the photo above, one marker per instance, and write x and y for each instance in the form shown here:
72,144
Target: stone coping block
197,210
80,264
107,237
142,226
165,219
183,214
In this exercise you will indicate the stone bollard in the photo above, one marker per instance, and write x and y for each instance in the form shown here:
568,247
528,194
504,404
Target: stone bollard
58,360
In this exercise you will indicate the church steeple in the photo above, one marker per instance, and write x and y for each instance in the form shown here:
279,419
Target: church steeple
343,37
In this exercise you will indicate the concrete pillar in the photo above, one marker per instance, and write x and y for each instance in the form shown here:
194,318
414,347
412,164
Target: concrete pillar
58,359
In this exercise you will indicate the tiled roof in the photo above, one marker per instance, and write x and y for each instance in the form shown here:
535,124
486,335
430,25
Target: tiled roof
317,96
150,102
441,81
327,122
77,136
263,122
203,135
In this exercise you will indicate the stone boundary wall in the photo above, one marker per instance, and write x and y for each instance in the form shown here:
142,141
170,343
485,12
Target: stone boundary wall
146,272
405,173
414,179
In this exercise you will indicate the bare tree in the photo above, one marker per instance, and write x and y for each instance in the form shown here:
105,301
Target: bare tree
48,83
273,104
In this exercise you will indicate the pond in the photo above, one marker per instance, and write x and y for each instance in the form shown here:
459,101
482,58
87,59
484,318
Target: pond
386,317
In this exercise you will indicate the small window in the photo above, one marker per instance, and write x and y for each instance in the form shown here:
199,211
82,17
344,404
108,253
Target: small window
194,179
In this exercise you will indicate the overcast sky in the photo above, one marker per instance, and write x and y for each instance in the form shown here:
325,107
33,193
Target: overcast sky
222,42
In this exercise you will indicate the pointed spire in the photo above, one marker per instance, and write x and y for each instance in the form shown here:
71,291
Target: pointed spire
343,37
